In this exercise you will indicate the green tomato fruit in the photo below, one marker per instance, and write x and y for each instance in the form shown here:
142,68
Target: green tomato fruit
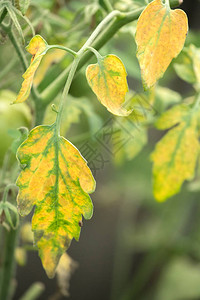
11,118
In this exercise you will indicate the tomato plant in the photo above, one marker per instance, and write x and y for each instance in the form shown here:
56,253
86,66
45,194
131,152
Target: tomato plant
51,173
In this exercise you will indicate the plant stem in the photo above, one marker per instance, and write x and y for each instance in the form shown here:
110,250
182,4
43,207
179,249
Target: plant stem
3,15
63,48
119,21
96,53
75,63
107,5
8,67
99,28
8,263
65,92
22,57
35,290
196,103
40,107
16,45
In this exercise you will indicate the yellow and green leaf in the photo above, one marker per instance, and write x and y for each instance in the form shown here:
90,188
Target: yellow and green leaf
187,66
132,139
160,36
52,57
108,81
37,48
176,154
55,178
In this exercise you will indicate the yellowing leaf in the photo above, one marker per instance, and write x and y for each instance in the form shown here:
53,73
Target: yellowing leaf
160,36
36,47
129,147
107,79
188,65
173,116
55,178
54,56
176,154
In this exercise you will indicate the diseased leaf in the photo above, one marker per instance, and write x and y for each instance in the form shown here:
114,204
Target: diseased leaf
165,97
160,36
130,146
55,178
188,66
107,79
132,134
176,154
36,47
172,116
52,57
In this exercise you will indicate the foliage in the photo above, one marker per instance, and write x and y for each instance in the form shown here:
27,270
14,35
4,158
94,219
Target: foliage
65,181
160,43
54,176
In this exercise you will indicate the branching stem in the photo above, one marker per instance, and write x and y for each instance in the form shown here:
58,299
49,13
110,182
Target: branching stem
76,61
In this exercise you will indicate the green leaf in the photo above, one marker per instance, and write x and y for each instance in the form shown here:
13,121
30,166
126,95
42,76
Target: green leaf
176,154
131,138
13,17
22,136
165,97
24,4
55,178
188,65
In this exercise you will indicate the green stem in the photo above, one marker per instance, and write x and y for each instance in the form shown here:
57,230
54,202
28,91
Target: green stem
6,190
99,29
122,19
3,15
8,67
196,103
75,63
63,48
65,92
39,106
107,5
5,166
16,45
35,290
96,53
8,266
53,89
23,59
